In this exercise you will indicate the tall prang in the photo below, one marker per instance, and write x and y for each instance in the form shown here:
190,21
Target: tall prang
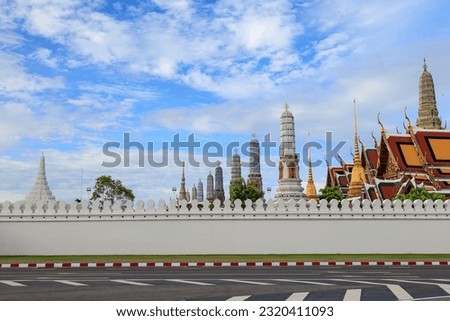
289,182
236,172
200,191
210,188
41,190
194,194
219,191
428,111
254,176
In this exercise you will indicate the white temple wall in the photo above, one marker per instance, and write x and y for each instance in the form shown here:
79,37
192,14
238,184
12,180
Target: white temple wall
289,229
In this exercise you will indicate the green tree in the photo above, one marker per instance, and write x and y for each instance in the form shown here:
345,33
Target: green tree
420,193
108,189
239,190
331,193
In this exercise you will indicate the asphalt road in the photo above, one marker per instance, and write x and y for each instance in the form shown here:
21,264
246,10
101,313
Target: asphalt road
365,283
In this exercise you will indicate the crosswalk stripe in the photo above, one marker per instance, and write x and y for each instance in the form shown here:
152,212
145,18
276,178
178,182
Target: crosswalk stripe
352,295
445,287
12,283
399,292
247,282
239,298
297,296
70,283
131,282
301,281
189,282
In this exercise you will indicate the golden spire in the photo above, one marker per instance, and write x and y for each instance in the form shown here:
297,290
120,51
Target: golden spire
358,175
357,157
311,191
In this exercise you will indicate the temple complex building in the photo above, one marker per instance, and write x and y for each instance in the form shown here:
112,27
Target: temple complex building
399,162
289,182
41,190
254,176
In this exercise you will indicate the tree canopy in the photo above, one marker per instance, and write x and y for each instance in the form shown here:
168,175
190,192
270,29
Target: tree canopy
108,189
242,191
420,193
331,193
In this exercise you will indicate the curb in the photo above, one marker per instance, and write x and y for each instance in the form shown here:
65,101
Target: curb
219,264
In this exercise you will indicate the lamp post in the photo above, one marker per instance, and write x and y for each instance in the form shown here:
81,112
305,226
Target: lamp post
269,189
174,192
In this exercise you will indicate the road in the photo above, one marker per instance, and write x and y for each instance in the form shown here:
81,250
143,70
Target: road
365,283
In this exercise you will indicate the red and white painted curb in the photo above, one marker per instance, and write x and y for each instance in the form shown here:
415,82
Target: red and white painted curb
220,264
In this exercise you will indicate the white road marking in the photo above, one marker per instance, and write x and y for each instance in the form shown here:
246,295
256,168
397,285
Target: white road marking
131,282
359,282
399,292
353,295
300,296
189,282
247,282
239,298
301,281
12,283
70,283
445,287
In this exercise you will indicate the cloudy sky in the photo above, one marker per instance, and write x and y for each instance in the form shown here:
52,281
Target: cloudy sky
76,75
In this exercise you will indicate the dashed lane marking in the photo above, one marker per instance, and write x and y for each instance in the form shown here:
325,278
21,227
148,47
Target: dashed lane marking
188,282
239,298
297,296
353,295
301,281
70,283
12,283
131,283
247,282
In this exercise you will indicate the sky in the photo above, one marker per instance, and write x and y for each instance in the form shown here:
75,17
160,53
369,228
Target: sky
79,77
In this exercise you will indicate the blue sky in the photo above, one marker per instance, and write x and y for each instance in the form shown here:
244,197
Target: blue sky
78,74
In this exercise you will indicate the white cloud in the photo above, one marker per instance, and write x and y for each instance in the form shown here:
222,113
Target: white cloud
16,80
44,56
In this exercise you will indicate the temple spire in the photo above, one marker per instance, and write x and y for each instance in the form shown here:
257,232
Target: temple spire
182,195
428,111
41,190
358,176
289,182
311,191
357,157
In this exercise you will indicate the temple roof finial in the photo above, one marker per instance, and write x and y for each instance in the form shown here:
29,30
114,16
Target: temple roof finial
286,106
407,118
380,123
424,64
